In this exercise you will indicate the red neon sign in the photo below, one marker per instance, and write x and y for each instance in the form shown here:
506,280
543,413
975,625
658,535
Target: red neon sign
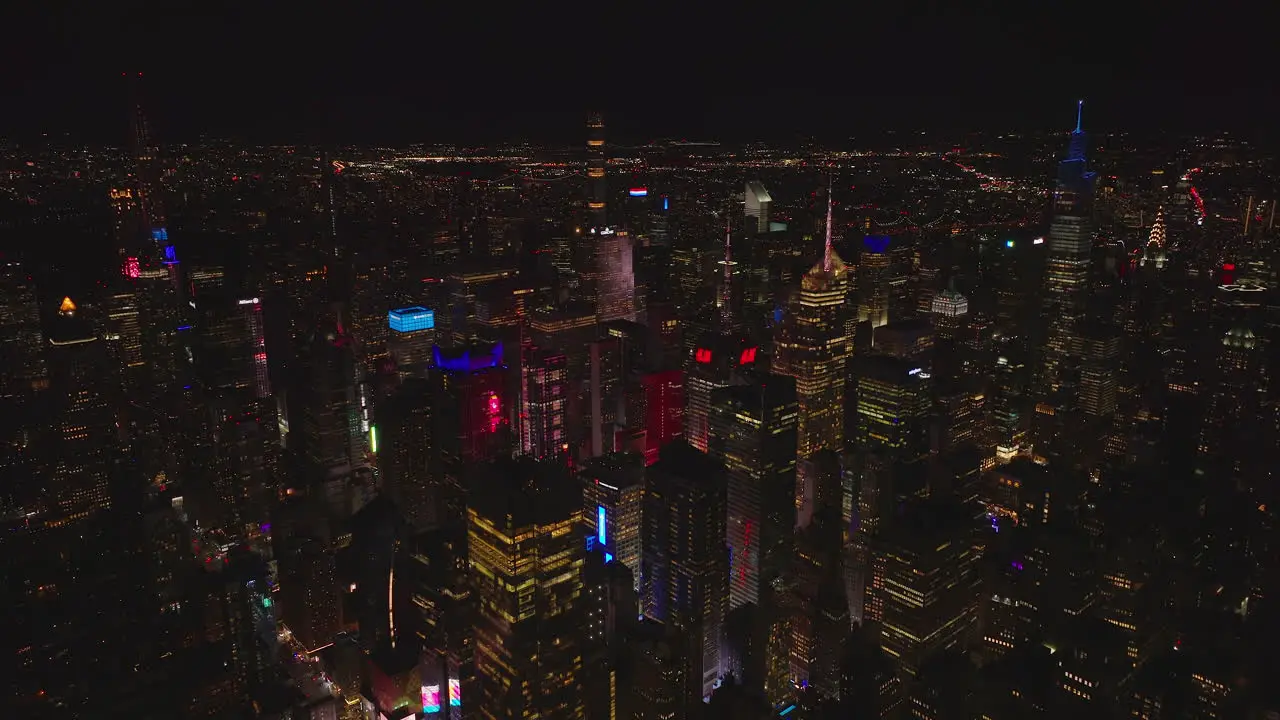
702,355
748,356
1228,266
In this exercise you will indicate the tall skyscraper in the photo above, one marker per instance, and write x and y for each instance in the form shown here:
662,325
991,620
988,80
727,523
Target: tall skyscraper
1070,242
615,274
613,508
757,206
814,346
22,364
718,361
85,429
471,409
411,337
925,586
753,433
544,397
597,184
685,569
525,547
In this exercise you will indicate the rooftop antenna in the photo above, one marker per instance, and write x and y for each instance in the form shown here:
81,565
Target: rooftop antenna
829,252
1079,114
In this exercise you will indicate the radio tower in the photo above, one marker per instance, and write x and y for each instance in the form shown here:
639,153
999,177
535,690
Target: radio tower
146,173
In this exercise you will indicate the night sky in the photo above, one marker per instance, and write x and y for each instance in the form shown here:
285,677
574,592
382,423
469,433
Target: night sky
295,72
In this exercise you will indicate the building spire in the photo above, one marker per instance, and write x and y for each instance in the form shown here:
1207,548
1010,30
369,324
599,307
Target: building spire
828,252
1079,115
726,287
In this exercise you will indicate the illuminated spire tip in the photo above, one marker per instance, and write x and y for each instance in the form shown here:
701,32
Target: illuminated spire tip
67,307
1079,115
828,252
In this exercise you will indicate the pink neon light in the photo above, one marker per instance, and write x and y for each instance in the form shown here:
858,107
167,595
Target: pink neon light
131,268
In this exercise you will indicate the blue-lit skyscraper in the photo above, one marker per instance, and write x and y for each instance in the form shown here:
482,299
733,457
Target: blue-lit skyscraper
411,337
612,504
1067,272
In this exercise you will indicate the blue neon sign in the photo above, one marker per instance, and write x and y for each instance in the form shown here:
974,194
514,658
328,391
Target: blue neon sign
600,531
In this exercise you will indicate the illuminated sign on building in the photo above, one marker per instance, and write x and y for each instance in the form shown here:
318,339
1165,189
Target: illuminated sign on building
666,203
1008,243
411,319
131,268
495,412
638,192
600,531
455,692
748,356
249,301
160,235
170,255
430,699
702,355
373,439
1037,241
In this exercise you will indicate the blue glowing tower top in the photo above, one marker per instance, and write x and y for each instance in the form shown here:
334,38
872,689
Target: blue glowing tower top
1071,171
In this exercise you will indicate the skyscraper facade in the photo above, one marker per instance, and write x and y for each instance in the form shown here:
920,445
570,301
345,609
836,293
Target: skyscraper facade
1070,242
753,433
814,346
685,570
526,554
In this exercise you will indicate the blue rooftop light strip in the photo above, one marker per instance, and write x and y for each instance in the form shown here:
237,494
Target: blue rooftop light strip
876,243
411,319
466,361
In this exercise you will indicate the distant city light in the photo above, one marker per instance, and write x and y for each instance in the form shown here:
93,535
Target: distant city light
638,192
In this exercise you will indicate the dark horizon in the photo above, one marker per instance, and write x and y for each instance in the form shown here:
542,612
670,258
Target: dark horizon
275,76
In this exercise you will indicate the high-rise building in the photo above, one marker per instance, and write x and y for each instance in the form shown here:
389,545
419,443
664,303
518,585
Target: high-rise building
411,337
950,312
613,508
471,410
717,361
597,184
814,346
22,365
615,278
664,419
544,397
924,581
753,433
685,569
526,555
1070,242
84,430
874,272
757,206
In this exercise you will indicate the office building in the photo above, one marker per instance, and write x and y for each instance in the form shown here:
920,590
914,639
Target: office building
757,207
613,508
753,434
411,337
685,569
525,549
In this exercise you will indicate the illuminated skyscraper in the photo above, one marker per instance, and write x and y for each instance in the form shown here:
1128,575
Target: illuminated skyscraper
1070,242
544,398
753,433
757,207
925,585
814,346
597,185
613,508
84,430
874,270
950,312
685,570
718,361
615,275
411,337
526,553
471,415
22,365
